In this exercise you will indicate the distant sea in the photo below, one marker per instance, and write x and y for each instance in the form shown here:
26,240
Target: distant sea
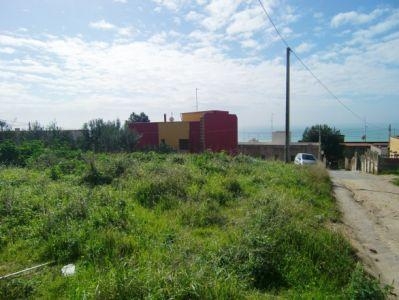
353,133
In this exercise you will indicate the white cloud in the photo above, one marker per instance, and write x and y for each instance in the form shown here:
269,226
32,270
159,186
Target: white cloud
250,43
126,31
193,16
171,4
102,24
364,36
120,1
246,21
7,50
74,80
219,12
304,47
354,18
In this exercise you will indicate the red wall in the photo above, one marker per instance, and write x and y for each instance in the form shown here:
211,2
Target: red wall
220,131
148,132
195,144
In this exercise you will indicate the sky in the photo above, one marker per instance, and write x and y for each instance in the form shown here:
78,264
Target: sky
71,61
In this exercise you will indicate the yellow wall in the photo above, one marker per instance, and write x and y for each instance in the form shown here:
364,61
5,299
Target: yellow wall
171,132
192,116
393,145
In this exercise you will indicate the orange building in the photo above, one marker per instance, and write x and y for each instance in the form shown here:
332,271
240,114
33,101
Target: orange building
212,130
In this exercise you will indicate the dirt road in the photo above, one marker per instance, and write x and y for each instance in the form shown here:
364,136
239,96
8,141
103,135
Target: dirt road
370,206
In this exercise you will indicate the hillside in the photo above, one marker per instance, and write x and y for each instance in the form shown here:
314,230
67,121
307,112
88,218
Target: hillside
148,225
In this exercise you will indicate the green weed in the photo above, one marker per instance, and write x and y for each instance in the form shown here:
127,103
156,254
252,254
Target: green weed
162,226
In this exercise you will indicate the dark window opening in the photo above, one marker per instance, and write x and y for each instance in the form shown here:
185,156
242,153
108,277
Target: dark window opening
183,144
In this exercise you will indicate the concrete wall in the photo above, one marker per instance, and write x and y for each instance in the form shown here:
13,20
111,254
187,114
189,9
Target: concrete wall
388,164
278,137
372,162
276,152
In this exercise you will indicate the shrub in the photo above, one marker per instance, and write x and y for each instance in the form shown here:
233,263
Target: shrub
9,153
361,286
94,177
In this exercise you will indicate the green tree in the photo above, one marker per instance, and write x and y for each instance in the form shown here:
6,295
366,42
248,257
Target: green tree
331,140
4,126
142,117
108,136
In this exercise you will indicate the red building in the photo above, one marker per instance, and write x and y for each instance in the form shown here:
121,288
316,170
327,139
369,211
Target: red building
212,130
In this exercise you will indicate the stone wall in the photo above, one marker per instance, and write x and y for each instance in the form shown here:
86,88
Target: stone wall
372,162
276,152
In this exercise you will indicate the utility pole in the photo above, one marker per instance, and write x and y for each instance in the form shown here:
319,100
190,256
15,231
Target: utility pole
319,141
287,110
196,98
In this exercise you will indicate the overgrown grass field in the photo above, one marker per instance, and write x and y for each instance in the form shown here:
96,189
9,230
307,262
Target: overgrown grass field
173,226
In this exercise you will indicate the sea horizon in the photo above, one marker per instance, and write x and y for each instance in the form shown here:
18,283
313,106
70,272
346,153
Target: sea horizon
352,133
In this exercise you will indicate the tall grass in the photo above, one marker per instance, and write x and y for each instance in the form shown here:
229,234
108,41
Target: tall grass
173,226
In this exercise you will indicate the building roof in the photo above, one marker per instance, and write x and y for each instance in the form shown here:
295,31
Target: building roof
276,144
205,111
364,144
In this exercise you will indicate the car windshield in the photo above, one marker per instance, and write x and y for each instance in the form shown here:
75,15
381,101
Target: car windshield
308,157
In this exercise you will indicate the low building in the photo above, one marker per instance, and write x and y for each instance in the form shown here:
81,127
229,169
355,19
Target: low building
212,130
394,146
359,148
275,149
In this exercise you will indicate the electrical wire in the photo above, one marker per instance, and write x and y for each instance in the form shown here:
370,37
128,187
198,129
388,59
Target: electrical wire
309,70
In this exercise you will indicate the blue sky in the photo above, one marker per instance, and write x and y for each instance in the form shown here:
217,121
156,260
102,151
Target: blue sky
70,61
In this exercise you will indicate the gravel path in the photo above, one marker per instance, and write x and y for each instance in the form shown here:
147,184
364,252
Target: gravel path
370,206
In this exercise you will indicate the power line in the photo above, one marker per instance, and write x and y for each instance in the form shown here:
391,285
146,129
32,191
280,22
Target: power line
308,69
326,87
275,27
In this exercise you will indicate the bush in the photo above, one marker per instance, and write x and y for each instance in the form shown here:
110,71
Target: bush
94,177
361,286
9,153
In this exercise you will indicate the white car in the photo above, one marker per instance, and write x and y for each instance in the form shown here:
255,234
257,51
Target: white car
305,159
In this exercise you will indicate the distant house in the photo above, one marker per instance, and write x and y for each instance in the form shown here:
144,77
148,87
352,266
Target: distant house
359,148
213,130
394,147
275,149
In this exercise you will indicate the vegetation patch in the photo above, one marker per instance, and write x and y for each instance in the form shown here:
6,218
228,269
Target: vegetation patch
157,225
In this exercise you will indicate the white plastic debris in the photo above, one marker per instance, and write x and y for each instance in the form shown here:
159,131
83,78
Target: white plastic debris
68,270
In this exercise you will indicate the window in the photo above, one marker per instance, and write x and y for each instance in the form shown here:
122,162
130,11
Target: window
183,144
